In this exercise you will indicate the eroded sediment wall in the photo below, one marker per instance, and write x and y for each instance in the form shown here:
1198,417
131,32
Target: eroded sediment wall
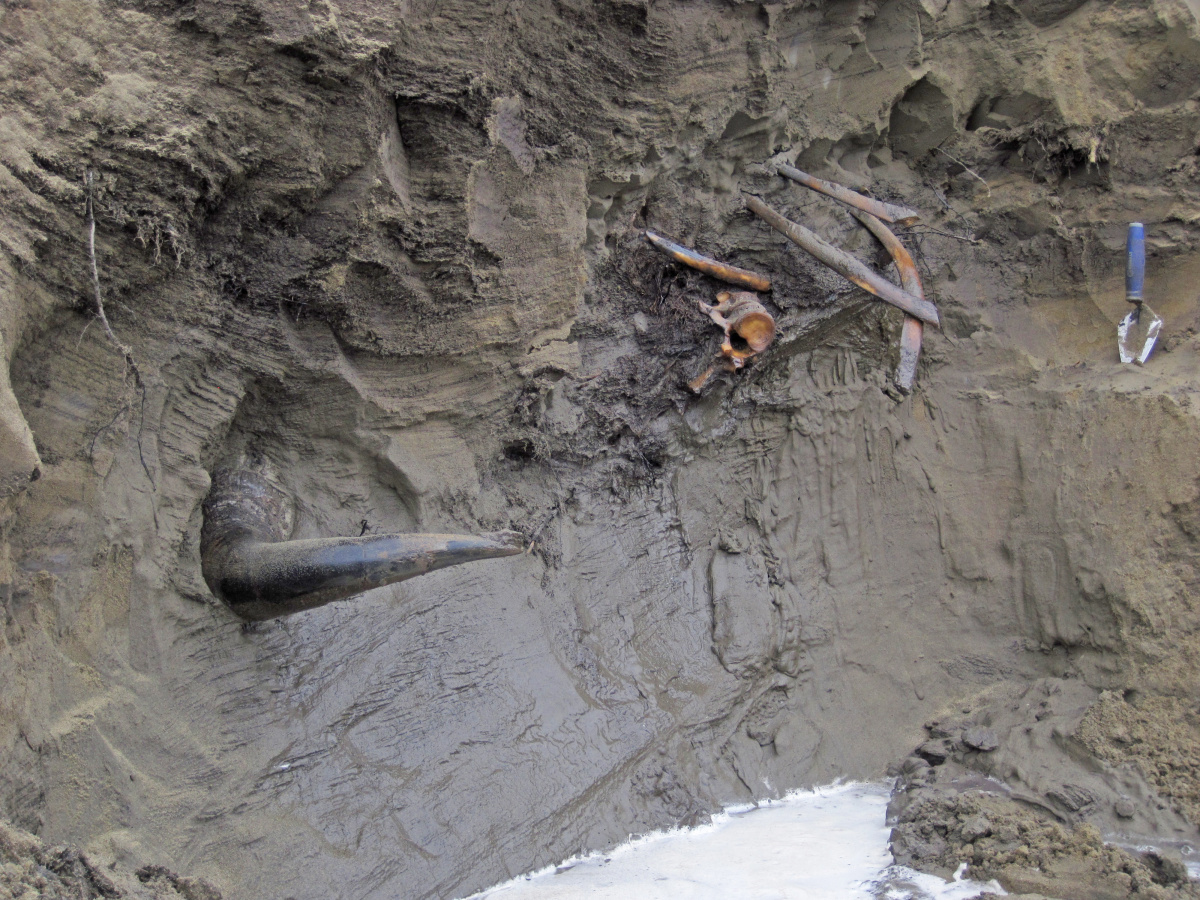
395,247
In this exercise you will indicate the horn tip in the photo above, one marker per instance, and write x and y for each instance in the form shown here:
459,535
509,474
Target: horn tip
509,543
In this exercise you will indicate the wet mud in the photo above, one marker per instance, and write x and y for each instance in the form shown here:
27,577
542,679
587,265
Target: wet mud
396,249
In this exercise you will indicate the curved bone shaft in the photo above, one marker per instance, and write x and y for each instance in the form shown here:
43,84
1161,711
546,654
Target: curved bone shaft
248,562
844,264
912,332
889,212
263,580
709,266
911,335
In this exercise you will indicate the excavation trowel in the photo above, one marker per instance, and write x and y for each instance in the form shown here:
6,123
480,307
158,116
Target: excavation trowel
1139,329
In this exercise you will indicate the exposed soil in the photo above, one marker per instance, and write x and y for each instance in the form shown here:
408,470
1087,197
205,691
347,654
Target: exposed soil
394,247
999,838
1159,735
1006,784
28,869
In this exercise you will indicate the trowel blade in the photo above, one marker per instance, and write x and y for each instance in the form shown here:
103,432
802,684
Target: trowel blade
1137,333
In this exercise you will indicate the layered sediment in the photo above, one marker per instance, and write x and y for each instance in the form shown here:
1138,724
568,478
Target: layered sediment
396,249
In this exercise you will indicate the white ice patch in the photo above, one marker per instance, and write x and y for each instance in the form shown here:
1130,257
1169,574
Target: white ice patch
827,844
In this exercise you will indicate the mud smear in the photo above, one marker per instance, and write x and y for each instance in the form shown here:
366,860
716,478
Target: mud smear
396,249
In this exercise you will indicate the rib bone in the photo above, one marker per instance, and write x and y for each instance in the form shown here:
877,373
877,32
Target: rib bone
889,212
844,264
708,265
911,332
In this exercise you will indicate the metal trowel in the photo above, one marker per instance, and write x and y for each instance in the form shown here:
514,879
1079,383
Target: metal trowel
1139,329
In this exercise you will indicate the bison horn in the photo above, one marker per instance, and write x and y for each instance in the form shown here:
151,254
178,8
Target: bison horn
248,561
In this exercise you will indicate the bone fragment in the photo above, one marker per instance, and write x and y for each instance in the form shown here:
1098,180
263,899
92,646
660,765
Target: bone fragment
709,266
889,212
248,562
911,332
844,264
700,382
740,312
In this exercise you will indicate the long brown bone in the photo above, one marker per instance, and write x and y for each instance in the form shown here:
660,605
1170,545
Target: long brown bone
708,265
889,212
912,331
844,264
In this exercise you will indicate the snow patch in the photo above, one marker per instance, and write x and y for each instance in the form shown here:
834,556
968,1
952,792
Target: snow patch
827,844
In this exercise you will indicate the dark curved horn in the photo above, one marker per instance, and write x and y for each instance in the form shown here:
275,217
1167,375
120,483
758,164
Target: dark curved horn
249,563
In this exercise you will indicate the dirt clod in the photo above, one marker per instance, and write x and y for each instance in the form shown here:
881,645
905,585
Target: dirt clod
1028,852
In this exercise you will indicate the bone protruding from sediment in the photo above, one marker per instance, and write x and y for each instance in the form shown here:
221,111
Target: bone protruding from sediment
844,264
249,563
700,382
740,313
912,332
888,212
708,265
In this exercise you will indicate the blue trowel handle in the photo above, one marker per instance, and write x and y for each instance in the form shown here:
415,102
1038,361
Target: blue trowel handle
1135,262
